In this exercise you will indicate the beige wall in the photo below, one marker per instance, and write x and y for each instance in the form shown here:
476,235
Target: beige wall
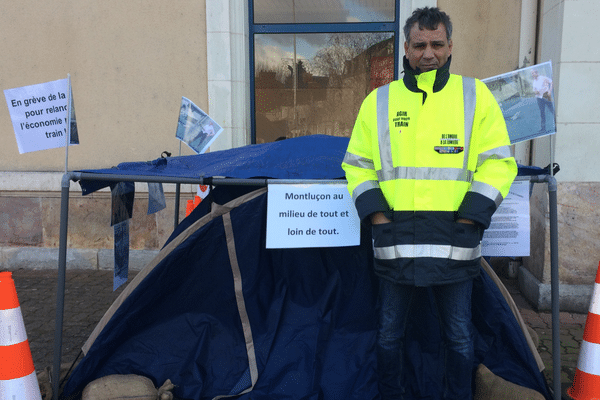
130,63
575,64
485,36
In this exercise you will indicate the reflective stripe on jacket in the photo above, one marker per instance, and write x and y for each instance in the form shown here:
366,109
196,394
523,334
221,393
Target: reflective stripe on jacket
427,155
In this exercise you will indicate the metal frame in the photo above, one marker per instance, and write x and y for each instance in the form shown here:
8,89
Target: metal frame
554,280
76,176
64,222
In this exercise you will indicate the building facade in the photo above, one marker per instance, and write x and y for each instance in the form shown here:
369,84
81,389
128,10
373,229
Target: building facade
131,62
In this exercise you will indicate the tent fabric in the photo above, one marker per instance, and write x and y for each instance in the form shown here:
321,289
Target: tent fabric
220,315
312,314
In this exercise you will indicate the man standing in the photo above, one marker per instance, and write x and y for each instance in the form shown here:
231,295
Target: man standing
427,165
542,87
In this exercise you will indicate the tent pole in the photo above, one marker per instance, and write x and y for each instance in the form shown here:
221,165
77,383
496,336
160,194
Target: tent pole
554,281
177,197
110,177
60,283
552,188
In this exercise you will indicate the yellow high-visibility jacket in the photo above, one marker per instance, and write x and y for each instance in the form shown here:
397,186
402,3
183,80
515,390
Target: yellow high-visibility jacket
427,150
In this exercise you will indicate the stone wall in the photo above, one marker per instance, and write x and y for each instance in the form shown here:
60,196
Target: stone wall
578,246
30,229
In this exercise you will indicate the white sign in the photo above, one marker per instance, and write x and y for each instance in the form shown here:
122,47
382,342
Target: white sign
315,215
39,115
195,128
509,231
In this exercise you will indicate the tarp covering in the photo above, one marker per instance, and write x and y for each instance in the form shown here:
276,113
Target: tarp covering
306,157
219,314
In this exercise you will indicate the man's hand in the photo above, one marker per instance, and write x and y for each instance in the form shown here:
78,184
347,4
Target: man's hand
379,218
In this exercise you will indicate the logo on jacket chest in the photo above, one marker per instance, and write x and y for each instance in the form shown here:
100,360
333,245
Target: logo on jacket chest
449,139
449,144
401,120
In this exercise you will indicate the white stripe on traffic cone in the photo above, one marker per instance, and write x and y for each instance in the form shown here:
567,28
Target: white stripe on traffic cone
18,380
586,384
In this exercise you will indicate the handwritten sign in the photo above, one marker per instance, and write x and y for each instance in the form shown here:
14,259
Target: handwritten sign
315,215
39,115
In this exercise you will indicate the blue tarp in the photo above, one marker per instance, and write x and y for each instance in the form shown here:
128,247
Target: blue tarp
312,312
307,157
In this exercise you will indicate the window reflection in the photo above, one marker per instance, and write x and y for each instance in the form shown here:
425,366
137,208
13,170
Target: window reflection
315,83
322,11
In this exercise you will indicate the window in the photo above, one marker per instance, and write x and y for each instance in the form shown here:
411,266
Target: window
322,11
314,61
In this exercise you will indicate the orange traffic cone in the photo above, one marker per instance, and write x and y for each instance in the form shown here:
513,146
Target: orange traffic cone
197,200
17,373
586,384
189,207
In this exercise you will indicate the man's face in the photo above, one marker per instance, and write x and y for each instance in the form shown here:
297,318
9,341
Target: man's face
427,49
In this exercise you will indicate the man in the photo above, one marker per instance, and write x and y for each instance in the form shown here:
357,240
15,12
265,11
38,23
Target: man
542,87
427,165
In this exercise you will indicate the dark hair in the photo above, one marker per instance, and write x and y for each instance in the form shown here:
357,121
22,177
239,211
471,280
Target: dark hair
428,18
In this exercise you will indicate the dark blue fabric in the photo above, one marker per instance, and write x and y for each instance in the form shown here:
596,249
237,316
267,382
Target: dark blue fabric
313,317
121,253
306,157
122,195
527,170
500,344
454,305
311,312
156,198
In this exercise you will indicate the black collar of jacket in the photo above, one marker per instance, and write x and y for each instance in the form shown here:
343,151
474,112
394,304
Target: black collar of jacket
441,76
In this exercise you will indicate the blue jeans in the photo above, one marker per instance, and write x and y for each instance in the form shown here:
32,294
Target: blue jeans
454,307
543,104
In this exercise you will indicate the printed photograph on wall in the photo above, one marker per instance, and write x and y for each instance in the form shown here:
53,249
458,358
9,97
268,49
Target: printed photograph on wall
195,128
526,98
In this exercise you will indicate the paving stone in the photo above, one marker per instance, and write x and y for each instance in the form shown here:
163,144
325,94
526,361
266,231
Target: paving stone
88,294
568,341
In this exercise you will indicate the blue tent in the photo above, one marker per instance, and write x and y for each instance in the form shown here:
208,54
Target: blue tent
220,315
